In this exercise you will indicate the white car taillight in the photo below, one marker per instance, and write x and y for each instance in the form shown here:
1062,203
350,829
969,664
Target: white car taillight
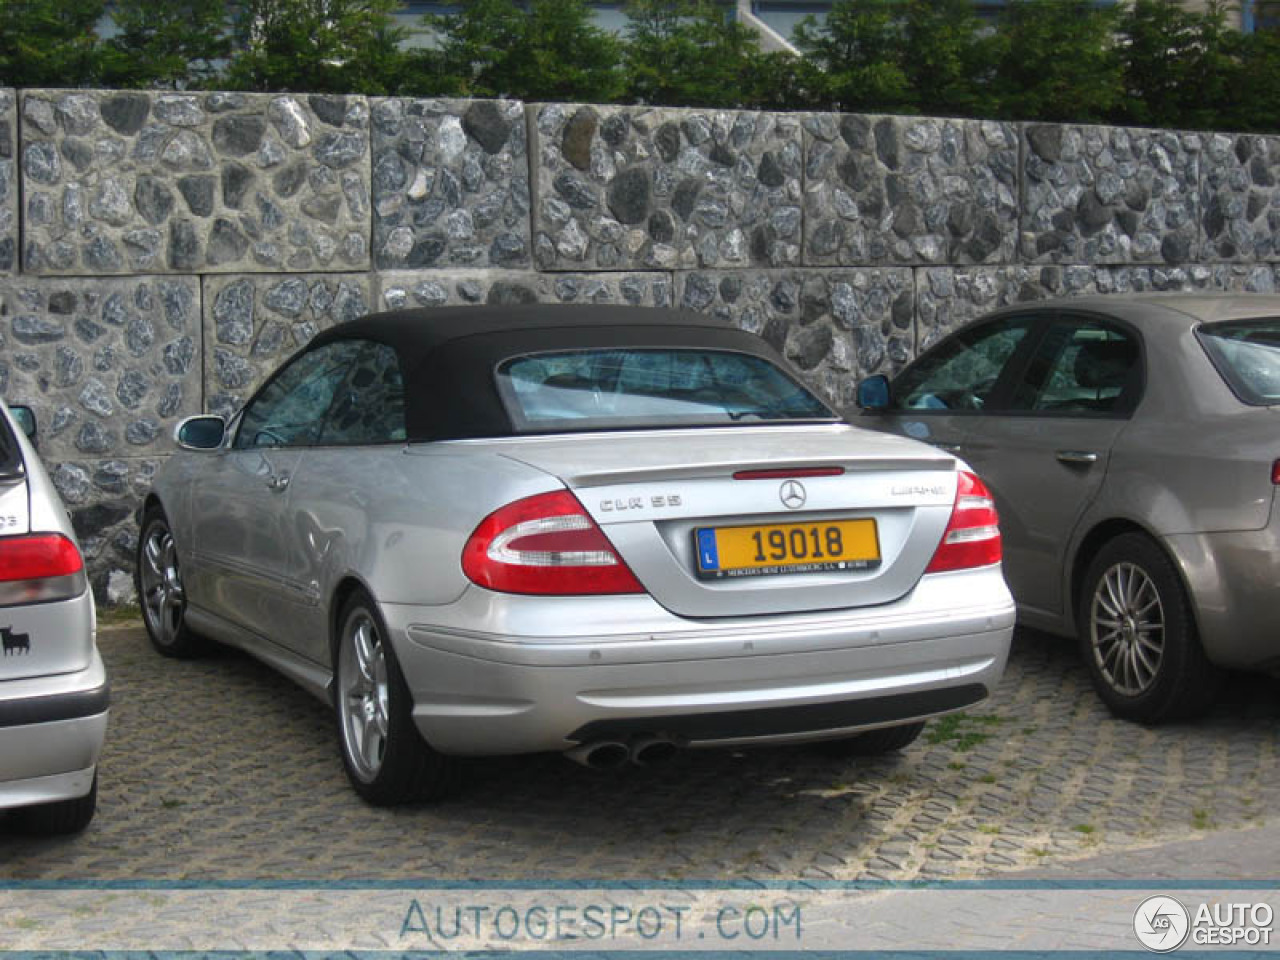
972,538
40,568
545,544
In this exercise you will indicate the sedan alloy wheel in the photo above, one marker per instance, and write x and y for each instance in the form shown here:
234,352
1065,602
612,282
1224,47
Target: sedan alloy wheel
1138,634
1127,629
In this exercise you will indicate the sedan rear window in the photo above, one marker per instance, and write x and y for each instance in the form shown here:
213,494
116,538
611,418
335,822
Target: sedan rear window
1247,354
603,389
10,453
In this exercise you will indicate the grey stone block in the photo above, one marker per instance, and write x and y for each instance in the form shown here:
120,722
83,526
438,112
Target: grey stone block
102,497
1240,198
1106,195
909,190
109,365
130,182
835,326
450,184
8,182
632,188
253,323
413,289
948,297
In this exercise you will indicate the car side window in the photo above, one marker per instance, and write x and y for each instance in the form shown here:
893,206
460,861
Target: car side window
1081,367
368,407
962,372
288,412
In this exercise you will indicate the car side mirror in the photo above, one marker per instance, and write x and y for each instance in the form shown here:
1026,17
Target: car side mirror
25,417
205,432
873,393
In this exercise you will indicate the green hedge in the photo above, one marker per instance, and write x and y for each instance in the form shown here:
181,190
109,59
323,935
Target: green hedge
1146,62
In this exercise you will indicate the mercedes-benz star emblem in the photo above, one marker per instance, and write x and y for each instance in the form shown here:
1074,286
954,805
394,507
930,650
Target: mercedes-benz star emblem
793,495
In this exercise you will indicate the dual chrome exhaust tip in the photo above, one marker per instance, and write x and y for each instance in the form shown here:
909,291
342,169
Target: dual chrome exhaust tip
612,754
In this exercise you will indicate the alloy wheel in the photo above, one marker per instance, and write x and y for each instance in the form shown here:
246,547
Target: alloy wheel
1127,629
164,601
363,695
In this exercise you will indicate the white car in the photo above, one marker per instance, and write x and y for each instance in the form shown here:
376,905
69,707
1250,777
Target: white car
53,686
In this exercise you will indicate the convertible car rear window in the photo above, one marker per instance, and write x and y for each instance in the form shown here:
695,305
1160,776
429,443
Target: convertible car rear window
602,389
1247,354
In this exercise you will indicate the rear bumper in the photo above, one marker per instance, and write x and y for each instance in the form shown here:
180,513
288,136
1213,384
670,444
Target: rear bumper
51,734
740,680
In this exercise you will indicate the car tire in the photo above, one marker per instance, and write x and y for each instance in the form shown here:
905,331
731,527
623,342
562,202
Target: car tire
873,742
160,591
59,818
1138,635
385,757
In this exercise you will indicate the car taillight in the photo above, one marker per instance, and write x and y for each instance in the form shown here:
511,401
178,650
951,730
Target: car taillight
1275,473
39,568
973,534
545,544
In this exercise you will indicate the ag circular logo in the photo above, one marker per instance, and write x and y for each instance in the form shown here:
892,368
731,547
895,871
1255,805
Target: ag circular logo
1161,923
793,495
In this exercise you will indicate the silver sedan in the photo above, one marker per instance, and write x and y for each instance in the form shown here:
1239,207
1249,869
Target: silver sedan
602,531
1130,443
53,686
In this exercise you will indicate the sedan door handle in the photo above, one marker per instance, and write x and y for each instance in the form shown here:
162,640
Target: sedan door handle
1077,456
278,484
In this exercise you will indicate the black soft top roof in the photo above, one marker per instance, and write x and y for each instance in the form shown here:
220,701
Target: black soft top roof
448,354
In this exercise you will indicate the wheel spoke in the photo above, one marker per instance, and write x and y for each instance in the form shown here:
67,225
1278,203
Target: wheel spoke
1147,669
153,555
364,653
370,748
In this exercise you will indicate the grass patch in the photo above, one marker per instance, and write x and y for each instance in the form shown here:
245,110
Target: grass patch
1085,828
956,765
1200,819
988,828
988,778
123,615
963,731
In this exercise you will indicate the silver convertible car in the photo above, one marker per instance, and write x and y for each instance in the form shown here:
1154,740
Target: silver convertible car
604,531
1131,444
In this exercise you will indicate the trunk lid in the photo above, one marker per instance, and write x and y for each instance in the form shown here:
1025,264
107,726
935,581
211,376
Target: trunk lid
665,498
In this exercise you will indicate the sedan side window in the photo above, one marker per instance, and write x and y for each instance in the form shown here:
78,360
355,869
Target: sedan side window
962,372
369,405
1081,367
289,410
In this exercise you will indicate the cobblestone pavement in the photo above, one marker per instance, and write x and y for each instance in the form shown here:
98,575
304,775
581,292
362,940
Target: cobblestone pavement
220,770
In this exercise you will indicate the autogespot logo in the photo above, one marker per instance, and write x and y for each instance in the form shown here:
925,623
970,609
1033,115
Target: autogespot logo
1161,923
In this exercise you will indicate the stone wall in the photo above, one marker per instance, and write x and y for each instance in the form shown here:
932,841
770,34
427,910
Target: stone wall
160,253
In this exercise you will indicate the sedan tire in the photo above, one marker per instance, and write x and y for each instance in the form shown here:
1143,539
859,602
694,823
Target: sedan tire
873,742
160,590
386,758
1138,635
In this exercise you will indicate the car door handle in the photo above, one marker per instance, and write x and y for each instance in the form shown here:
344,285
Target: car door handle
278,484
1076,456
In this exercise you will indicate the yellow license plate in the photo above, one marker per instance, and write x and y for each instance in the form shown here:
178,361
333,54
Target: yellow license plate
814,547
